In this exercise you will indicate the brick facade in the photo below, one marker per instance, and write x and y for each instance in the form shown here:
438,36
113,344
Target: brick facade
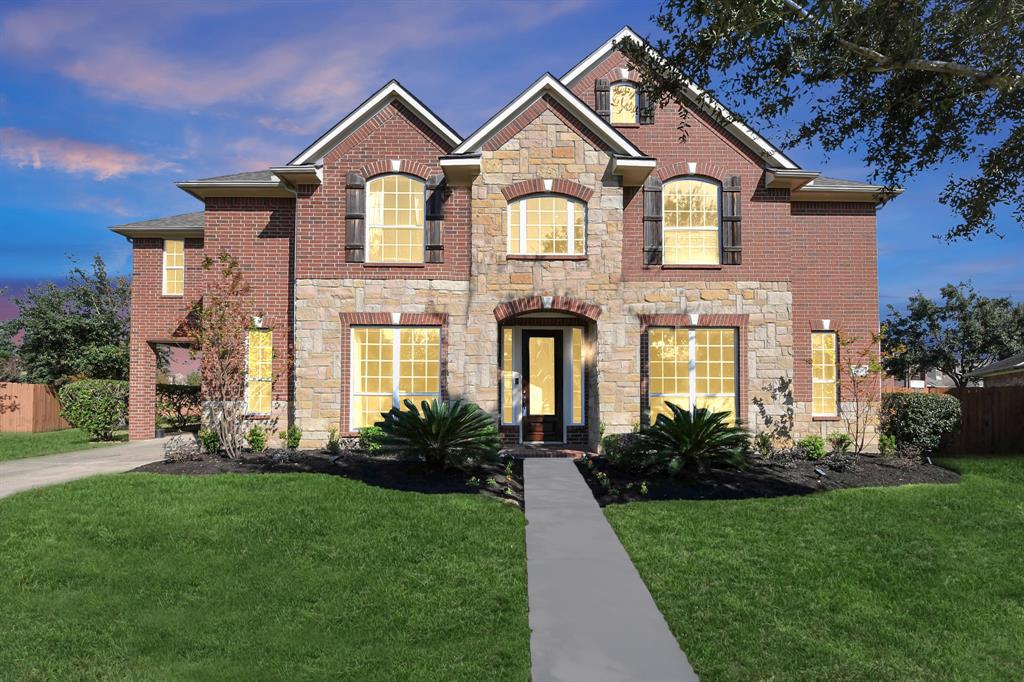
802,263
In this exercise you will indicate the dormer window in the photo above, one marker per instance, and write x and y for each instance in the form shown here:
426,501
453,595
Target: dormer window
547,225
624,103
394,219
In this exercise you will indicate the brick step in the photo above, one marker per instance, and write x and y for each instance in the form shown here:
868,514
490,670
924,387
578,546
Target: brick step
529,451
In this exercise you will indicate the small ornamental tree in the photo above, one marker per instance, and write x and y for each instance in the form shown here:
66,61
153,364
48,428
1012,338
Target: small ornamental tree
860,389
219,322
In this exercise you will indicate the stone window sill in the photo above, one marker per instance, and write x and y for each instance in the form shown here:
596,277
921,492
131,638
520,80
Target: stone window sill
691,267
519,256
626,125
394,265
826,419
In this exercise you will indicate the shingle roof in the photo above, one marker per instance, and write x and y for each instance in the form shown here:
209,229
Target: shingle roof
250,176
1011,363
822,180
196,220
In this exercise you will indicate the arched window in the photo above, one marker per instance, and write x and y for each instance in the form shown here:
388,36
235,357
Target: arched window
624,104
394,219
547,225
691,222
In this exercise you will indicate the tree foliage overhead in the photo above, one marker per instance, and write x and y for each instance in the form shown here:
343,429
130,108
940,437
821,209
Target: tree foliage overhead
913,83
959,334
77,330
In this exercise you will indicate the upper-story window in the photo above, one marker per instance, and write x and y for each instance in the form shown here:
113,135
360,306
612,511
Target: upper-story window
174,267
547,225
691,222
394,219
624,103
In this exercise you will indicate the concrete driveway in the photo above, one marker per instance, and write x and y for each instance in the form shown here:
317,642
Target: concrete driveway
36,472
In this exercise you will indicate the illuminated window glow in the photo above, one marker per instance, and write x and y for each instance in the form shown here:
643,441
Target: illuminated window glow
623,103
546,225
507,377
259,371
824,377
394,219
690,222
577,375
390,364
692,367
174,267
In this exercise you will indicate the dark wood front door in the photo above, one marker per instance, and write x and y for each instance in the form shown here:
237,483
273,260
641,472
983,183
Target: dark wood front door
542,386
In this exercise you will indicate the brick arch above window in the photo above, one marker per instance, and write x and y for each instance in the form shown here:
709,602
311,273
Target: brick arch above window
530,304
524,188
700,168
385,166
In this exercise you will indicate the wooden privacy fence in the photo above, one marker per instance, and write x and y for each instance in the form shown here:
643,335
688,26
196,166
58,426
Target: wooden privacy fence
29,408
992,421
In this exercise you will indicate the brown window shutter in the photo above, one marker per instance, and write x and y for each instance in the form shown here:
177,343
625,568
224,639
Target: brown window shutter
652,222
732,242
435,219
646,116
355,218
602,99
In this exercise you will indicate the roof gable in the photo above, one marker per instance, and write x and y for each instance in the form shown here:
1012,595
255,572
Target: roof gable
548,85
697,96
392,91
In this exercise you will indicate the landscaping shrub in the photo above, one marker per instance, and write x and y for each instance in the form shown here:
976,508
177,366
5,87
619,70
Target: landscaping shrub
333,441
96,406
682,441
444,434
887,445
291,437
209,440
257,438
919,421
370,439
179,405
764,445
621,449
840,442
813,447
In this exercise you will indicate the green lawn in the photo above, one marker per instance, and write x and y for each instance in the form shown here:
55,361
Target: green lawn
921,582
18,445
260,577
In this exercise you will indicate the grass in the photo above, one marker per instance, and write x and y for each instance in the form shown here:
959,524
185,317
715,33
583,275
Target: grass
919,582
252,577
19,445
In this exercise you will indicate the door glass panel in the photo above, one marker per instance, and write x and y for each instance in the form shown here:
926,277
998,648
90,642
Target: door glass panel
542,375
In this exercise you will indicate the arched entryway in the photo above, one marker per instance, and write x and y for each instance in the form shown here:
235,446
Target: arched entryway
546,370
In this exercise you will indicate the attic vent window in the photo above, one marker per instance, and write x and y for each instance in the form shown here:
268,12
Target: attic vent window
624,105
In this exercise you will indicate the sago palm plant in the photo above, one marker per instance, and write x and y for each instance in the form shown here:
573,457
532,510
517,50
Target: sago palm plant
683,441
449,433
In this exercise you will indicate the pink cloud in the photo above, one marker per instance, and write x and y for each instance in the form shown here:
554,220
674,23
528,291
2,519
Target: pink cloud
24,149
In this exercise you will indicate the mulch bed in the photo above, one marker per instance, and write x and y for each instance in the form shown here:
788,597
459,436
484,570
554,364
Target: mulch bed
760,479
380,471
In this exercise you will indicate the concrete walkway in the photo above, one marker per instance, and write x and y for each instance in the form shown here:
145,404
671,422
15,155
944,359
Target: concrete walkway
591,616
35,472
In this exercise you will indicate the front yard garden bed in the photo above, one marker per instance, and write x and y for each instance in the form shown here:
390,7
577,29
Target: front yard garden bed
761,478
501,479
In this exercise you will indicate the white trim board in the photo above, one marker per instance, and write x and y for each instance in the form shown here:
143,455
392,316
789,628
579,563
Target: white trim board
751,139
393,90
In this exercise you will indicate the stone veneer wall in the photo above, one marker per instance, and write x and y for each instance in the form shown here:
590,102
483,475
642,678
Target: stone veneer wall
551,147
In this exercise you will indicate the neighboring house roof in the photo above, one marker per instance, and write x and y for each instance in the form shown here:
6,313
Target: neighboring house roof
391,91
739,129
1014,363
183,224
250,176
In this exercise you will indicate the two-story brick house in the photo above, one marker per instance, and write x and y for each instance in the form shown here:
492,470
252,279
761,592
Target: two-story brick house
573,263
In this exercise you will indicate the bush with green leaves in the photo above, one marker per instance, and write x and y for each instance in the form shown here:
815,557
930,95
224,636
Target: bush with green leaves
179,404
97,406
887,445
370,439
919,421
291,437
683,441
333,441
257,438
764,445
813,447
620,449
839,441
210,441
443,434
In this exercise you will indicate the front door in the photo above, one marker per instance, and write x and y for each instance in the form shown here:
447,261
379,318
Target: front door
542,385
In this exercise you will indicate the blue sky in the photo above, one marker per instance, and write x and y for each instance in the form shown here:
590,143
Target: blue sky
104,105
